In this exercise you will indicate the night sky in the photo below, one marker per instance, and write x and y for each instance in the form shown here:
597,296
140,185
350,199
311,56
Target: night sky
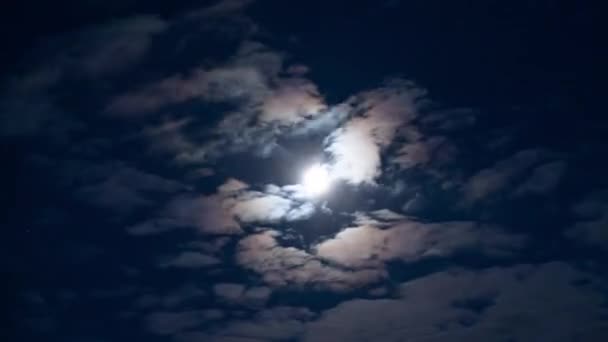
156,178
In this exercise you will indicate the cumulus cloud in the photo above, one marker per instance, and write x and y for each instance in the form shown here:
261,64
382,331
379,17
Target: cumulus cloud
259,207
523,303
356,147
251,80
288,266
292,101
224,211
371,245
265,102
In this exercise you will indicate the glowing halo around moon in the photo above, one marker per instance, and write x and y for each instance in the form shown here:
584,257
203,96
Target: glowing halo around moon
316,180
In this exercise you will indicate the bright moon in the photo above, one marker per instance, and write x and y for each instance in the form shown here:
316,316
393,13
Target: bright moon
316,180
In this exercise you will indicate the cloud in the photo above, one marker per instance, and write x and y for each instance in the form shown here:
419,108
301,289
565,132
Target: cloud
523,303
255,206
28,103
232,186
224,211
238,294
251,80
264,101
122,188
190,259
281,323
167,137
173,322
187,293
419,153
225,7
111,48
449,120
592,225
229,292
357,146
494,179
543,179
291,102
204,213
217,85
372,244
288,266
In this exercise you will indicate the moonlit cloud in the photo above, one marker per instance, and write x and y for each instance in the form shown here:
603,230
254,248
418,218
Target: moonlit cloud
288,266
356,148
369,245
223,212
493,179
441,307
190,260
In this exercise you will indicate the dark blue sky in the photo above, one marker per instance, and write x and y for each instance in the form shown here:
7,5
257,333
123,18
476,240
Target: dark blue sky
154,153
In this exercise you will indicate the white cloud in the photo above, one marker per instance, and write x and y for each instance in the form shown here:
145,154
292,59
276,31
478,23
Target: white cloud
357,146
291,102
288,266
368,246
222,213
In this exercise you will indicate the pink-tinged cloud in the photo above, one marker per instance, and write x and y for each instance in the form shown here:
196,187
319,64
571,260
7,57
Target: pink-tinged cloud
288,266
356,148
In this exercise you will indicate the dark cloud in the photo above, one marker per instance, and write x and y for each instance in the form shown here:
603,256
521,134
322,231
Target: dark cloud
493,179
185,294
173,322
237,294
519,306
190,259
28,102
543,179
119,187
591,227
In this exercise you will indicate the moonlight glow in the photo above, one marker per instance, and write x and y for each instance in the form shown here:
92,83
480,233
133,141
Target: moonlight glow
316,180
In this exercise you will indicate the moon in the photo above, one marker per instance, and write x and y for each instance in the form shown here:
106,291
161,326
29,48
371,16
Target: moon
316,180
